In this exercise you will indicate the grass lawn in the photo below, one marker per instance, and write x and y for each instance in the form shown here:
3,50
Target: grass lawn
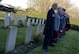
20,36
69,44
1,23
3,36
74,21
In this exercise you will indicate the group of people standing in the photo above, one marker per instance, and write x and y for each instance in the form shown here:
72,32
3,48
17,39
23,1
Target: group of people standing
57,23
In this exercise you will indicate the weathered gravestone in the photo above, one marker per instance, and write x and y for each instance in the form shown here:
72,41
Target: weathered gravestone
11,16
33,21
42,22
16,21
28,32
6,20
39,27
36,21
11,38
23,20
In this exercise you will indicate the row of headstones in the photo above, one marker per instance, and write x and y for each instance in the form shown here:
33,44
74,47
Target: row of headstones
30,20
13,29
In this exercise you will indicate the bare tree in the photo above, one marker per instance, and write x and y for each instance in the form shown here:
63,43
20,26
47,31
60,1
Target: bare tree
44,5
40,5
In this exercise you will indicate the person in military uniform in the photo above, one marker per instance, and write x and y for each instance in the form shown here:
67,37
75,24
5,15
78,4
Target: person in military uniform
49,27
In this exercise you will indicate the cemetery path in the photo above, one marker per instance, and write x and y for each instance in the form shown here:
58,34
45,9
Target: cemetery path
69,44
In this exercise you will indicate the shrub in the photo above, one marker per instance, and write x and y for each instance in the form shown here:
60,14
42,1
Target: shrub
75,27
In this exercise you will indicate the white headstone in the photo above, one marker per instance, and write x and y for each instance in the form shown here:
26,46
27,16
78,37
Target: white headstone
11,39
42,22
36,21
39,28
23,19
7,20
33,21
28,22
28,32
16,21
11,17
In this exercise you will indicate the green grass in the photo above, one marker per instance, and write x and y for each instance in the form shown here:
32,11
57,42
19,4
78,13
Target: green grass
21,33
74,21
3,36
1,23
69,44
20,36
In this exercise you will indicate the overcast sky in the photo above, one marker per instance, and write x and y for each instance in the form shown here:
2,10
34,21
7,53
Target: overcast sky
75,2
23,3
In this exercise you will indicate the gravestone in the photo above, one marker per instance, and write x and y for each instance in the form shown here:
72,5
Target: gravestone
39,28
36,21
11,39
16,21
28,32
23,20
6,20
33,21
42,22
11,17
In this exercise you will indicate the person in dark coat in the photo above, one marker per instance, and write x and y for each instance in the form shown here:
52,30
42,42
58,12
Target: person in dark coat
49,27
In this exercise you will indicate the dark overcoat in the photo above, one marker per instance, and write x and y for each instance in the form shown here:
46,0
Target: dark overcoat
49,25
